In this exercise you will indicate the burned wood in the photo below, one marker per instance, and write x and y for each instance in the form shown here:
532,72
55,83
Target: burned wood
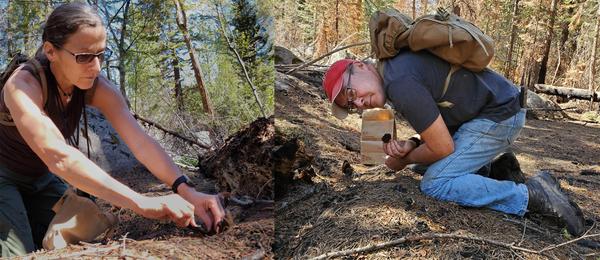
583,94
243,165
156,125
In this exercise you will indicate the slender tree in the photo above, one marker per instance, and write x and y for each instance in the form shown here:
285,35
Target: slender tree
593,58
182,24
548,43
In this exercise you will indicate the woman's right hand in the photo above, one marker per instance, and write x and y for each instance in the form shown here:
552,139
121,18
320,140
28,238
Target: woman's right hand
172,207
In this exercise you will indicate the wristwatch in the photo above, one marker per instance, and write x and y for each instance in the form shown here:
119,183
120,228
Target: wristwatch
416,140
179,181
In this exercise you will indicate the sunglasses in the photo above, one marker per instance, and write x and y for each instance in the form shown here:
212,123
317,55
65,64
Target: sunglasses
84,58
350,92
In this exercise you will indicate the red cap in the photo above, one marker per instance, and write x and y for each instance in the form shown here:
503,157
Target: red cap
332,84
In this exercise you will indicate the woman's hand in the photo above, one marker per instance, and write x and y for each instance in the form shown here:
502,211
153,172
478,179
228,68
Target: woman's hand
207,207
398,149
172,207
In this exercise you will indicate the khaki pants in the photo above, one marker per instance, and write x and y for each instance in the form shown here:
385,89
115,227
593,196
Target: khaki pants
26,210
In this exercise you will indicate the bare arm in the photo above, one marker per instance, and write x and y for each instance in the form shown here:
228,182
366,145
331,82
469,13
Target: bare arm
23,97
112,104
437,144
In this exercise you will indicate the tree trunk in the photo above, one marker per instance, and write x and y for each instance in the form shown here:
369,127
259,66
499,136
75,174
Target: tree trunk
9,39
414,9
565,54
122,54
544,63
424,6
182,24
593,59
177,75
576,93
513,36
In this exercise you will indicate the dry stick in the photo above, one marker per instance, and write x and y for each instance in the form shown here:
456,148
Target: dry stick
550,109
138,117
568,242
530,227
241,62
325,55
428,236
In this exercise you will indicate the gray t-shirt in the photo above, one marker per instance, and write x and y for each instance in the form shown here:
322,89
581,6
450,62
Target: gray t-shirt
414,81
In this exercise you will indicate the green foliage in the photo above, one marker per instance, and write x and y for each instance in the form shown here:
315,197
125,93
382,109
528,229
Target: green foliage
151,44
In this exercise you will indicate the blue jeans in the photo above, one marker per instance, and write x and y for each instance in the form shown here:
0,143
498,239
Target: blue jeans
476,143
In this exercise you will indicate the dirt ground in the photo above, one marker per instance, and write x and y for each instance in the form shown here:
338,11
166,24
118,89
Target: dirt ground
337,210
136,237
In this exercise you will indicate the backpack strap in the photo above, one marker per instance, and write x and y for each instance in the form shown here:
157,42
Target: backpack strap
447,104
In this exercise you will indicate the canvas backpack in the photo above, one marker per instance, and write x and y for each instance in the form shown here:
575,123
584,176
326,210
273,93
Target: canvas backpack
444,34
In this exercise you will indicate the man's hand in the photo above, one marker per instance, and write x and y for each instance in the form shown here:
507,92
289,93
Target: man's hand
398,149
207,207
396,164
172,207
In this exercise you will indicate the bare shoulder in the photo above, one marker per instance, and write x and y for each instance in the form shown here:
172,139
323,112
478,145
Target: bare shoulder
24,82
106,93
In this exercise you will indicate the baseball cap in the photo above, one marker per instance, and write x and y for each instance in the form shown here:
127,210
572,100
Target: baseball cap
333,83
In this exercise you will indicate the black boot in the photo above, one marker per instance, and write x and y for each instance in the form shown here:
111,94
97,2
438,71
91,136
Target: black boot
547,198
504,168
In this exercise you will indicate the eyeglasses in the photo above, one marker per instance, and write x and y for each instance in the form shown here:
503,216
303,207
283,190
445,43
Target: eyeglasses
350,92
84,58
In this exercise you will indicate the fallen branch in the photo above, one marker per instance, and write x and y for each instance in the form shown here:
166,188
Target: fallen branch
248,201
138,117
584,94
325,55
528,227
430,236
187,167
550,109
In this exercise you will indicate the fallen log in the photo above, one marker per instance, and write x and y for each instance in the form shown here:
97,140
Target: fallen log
569,93
243,165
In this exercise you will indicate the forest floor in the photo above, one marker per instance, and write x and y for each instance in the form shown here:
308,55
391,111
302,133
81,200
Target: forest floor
135,237
340,209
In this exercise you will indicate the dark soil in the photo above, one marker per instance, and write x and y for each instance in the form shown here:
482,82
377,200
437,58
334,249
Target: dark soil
136,237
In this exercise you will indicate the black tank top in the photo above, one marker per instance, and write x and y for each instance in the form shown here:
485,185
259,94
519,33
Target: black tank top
15,154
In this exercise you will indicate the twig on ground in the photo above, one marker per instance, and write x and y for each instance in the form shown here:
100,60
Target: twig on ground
124,239
523,235
259,254
138,117
568,242
415,238
430,236
310,192
325,55
94,251
550,109
187,167
248,201
530,227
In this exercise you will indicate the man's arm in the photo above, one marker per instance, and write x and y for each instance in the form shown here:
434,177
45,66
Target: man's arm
437,145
